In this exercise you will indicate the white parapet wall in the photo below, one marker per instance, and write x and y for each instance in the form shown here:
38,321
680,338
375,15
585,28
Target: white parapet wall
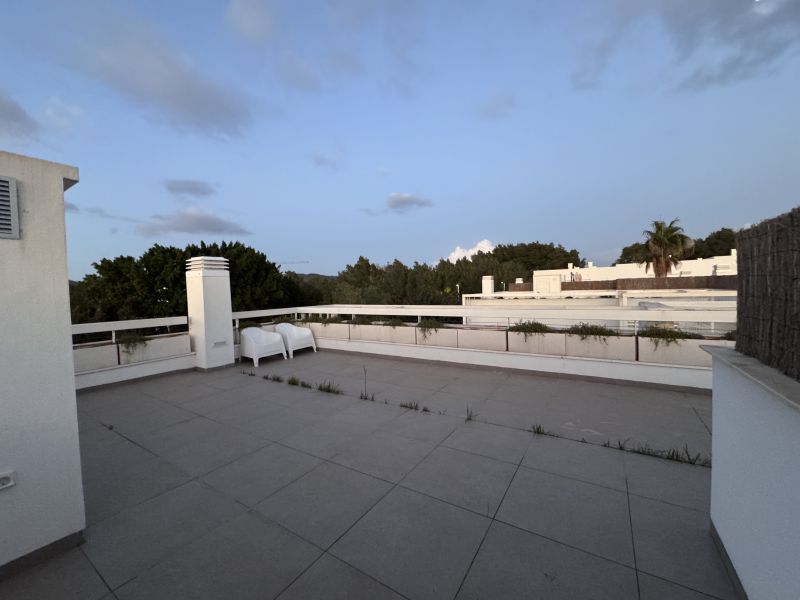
681,376
39,450
755,482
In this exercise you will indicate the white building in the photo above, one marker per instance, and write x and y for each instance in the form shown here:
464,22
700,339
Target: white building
549,281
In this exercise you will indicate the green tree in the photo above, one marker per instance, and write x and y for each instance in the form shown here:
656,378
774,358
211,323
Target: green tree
716,243
635,253
667,244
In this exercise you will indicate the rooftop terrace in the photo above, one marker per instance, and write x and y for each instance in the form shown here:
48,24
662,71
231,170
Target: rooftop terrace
225,485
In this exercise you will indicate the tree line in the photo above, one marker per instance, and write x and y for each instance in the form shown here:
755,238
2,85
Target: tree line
154,284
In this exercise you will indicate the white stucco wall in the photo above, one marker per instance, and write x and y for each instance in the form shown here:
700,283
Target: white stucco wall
38,415
755,482
716,265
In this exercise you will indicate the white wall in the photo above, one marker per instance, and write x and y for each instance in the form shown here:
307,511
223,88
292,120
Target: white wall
38,415
755,482
716,265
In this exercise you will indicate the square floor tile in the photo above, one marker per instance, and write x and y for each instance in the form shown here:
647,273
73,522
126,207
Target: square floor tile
516,564
69,575
328,438
587,462
427,427
255,476
135,539
659,479
579,514
245,558
333,579
200,445
470,481
416,545
128,485
502,443
324,503
385,455
675,543
653,588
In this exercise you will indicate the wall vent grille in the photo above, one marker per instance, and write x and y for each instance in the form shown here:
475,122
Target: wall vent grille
9,214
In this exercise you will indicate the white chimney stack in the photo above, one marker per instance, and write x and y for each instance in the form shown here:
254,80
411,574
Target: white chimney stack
487,284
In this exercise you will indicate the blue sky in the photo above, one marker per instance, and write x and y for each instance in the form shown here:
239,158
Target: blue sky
321,131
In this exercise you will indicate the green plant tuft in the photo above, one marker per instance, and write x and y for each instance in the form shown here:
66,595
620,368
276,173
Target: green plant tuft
427,325
528,328
305,384
129,340
667,336
730,336
293,380
410,405
329,387
394,322
361,320
538,429
245,324
585,331
470,415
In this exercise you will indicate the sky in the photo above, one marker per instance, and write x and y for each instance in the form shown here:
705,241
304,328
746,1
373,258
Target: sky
318,131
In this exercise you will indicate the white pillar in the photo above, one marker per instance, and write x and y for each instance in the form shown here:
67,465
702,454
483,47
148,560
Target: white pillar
208,297
487,284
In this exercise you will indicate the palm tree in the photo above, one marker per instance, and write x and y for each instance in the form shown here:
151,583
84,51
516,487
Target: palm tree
666,244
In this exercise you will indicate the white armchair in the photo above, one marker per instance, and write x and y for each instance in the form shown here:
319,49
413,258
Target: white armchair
257,343
295,337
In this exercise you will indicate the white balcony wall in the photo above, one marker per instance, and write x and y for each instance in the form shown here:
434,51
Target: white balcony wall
554,344
608,348
680,352
38,414
754,483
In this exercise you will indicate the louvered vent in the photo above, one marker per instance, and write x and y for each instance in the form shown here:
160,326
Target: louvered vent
9,215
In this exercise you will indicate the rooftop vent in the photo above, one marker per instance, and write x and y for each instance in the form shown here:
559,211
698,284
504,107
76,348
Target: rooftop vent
9,214
207,263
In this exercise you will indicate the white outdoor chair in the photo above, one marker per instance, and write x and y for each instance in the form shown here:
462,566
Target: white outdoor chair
257,343
295,337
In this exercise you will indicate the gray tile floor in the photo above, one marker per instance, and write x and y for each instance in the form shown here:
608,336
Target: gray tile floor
223,485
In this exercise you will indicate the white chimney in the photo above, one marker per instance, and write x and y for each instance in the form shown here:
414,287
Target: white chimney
518,280
590,264
487,284
569,266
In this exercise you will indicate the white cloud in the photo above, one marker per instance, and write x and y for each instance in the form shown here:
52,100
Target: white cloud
459,252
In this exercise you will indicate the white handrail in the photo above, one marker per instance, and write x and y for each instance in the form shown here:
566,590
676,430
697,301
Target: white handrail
514,314
80,328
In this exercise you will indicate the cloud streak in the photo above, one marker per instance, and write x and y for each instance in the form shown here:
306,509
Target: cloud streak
189,187
325,161
717,42
141,66
191,220
15,122
403,203
498,106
